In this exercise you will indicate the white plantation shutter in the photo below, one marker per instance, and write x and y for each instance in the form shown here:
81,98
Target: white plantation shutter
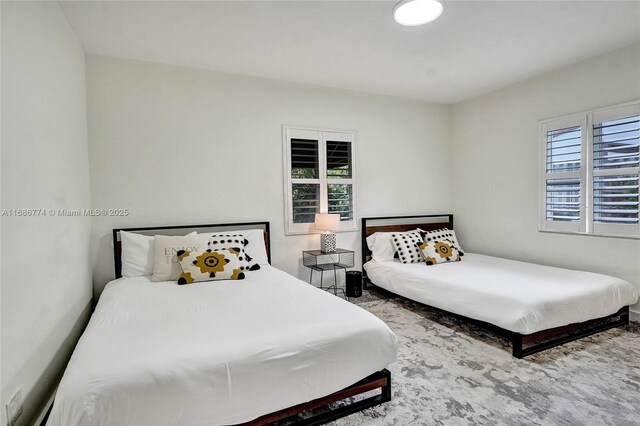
616,168
615,143
340,178
319,177
591,172
339,159
563,159
304,159
305,178
563,189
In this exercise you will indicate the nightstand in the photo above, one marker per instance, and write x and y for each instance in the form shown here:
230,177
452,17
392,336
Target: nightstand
340,259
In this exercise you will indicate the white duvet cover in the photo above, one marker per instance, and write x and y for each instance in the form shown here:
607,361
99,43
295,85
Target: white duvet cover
222,352
517,296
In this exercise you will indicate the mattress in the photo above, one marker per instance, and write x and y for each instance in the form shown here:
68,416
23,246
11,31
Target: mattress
215,353
517,296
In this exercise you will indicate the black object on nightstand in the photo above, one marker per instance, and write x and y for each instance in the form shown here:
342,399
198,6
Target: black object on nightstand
354,283
340,259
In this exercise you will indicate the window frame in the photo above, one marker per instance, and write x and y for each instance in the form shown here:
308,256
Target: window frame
321,135
586,225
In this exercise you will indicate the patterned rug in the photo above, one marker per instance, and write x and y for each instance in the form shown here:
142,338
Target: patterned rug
452,373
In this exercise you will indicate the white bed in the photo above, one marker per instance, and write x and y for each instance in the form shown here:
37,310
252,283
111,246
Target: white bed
520,297
214,353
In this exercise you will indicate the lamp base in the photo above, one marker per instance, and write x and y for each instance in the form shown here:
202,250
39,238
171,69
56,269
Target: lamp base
327,242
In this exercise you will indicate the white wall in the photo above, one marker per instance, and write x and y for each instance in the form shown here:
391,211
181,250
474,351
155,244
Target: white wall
494,164
183,146
46,276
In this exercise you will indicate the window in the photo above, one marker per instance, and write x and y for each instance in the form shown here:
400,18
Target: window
590,177
319,177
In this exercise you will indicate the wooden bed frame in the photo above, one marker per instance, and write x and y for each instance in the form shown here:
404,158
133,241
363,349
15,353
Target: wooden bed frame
522,344
316,412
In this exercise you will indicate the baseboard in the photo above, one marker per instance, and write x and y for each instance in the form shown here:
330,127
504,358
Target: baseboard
634,316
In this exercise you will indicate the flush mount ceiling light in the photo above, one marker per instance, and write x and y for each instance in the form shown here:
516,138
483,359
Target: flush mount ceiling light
417,12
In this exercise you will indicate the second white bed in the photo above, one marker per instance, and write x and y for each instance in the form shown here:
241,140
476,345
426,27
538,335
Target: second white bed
517,296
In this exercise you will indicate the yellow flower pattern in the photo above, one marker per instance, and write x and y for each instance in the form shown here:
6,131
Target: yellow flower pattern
443,249
210,262
237,274
186,278
439,252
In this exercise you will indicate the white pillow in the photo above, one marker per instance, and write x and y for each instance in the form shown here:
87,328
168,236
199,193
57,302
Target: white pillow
381,245
137,254
166,266
255,247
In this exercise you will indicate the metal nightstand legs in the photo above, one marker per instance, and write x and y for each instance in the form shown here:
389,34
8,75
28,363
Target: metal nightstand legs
333,287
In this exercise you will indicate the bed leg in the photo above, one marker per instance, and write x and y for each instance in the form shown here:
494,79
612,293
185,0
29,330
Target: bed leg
516,344
386,389
624,316
366,284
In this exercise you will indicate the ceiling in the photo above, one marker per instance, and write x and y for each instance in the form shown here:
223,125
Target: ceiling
475,46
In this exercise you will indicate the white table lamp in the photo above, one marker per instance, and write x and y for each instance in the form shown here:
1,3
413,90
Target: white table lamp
327,222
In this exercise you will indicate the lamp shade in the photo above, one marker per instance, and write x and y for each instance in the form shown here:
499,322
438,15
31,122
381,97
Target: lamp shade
327,221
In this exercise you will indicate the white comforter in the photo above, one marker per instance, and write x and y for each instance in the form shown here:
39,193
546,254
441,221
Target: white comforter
517,296
215,353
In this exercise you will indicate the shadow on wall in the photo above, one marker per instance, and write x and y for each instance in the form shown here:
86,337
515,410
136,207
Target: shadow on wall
103,272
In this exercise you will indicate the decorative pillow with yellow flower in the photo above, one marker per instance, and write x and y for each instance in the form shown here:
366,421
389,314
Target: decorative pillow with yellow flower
442,234
209,265
442,251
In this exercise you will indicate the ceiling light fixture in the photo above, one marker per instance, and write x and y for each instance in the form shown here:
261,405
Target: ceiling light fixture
417,12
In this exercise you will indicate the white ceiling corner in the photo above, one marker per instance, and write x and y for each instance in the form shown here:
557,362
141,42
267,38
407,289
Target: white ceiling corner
474,47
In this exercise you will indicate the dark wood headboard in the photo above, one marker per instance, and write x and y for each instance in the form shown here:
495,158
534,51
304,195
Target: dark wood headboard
371,225
182,230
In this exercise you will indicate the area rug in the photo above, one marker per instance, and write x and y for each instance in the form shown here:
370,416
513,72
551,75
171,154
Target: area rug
452,373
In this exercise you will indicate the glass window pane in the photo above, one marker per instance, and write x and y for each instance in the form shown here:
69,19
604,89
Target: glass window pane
615,199
338,160
306,202
616,143
563,200
563,150
340,197
304,159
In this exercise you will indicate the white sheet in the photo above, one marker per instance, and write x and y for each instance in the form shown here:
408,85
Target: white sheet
215,353
521,297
